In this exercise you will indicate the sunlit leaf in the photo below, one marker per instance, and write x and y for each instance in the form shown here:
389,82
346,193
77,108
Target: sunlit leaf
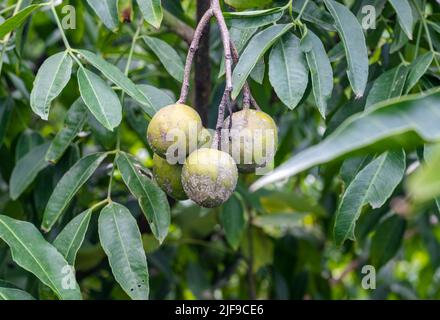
107,11
116,76
152,11
17,20
51,79
404,14
101,100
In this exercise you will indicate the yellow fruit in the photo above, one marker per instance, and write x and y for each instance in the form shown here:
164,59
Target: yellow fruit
168,177
253,139
174,127
209,177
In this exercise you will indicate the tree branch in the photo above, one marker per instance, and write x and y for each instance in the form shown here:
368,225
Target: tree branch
178,27
191,52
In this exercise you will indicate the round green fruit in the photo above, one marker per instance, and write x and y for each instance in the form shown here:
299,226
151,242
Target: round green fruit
209,177
168,177
174,127
205,138
253,139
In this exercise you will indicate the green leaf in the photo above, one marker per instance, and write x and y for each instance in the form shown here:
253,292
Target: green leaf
351,167
34,254
121,240
159,98
253,19
314,14
256,48
5,116
320,70
107,11
167,56
68,186
73,124
240,38
14,294
387,240
353,38
101,100
17,20
417,69
404,15
116,76
52,77
233,221
257,73
246,4
152,11
152,199
27,141
388,85
71,238
288,72
373,185
27,169
401,122
400,39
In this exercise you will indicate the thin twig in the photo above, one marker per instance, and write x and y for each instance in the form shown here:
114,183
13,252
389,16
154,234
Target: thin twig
226,39
220,118
191,52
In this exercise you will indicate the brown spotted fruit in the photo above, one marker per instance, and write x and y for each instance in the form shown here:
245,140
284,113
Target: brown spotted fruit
253,138
173,131
209,177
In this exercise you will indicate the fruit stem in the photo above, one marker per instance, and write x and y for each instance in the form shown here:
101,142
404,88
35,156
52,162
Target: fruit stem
221,117
198,33
226,39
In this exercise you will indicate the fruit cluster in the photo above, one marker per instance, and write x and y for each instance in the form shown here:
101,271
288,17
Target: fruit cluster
208,176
